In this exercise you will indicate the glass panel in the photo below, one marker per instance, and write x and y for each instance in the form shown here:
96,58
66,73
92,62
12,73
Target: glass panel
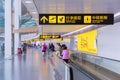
1,29
27,21
1,13
99,66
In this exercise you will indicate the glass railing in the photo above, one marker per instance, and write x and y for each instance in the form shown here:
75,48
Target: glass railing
1,22
58,67
101,67
69,71
1,13
1,50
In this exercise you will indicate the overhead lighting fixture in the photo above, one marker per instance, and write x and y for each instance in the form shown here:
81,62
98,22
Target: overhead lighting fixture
28,2
84,28
117,14
77,31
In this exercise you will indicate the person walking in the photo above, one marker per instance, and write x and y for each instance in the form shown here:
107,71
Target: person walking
58,49
65,54
52,47
44,47
24,48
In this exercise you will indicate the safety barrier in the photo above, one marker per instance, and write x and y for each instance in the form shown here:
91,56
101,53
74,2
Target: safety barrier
69,71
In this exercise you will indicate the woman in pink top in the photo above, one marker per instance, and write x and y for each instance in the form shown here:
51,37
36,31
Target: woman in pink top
65,54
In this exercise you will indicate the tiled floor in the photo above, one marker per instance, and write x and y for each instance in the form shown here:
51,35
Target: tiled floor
31,66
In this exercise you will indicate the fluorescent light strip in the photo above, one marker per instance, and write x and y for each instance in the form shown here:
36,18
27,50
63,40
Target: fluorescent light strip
117,14
76,31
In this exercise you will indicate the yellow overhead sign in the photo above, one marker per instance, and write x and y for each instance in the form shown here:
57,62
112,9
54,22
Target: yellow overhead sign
87,19
61,19
87,42
68,19
43,19
50,36
52,19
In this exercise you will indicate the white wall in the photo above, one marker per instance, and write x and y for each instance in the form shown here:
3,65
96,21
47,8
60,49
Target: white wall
73,43
28,36
108,41
108,44
67,42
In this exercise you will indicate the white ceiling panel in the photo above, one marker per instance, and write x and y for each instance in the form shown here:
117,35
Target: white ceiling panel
72,6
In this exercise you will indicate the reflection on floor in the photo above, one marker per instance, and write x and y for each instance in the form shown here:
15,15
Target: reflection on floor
30,66
1,57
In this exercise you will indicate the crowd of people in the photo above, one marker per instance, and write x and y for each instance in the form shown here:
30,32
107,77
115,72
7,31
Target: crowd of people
60,50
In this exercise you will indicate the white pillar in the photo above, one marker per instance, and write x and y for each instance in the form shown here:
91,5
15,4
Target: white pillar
17,15
8,29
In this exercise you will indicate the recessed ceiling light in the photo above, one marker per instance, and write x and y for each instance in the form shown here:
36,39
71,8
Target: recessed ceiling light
28,2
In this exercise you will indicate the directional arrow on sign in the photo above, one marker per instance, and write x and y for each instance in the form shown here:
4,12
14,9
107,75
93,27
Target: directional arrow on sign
44,19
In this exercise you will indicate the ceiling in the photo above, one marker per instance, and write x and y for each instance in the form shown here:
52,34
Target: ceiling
70,6
77,6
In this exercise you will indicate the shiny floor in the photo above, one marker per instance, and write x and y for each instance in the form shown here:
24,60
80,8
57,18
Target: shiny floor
1,57
30,66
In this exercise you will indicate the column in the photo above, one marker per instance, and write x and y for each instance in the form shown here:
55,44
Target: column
17,15
8,29
72,43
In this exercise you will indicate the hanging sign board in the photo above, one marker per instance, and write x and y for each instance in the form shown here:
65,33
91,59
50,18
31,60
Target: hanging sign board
78,19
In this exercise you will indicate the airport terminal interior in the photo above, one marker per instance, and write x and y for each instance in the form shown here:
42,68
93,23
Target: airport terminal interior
59,39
